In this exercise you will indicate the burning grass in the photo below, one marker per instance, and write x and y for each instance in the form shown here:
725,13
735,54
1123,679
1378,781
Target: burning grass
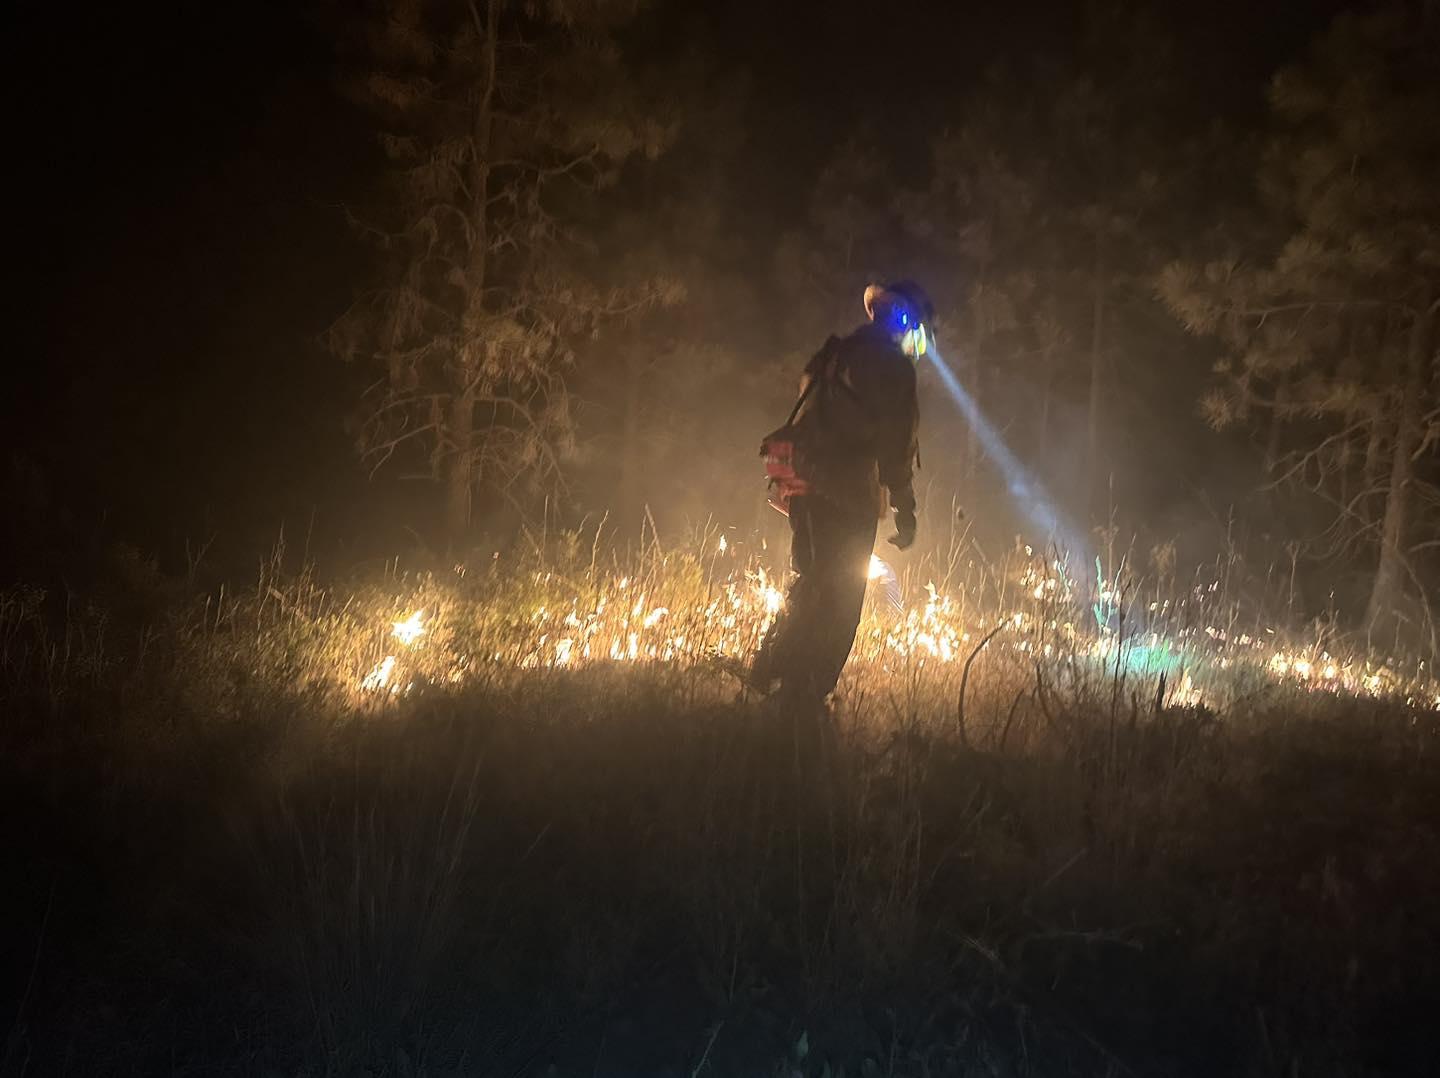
1024,636
1028,619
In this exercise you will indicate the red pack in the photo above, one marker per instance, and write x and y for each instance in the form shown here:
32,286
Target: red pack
784,466
787,469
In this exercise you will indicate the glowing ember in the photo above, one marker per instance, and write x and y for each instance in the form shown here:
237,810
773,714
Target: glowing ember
877,569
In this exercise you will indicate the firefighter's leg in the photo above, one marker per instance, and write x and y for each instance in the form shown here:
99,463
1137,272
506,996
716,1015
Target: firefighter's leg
853,537
778,652
829,600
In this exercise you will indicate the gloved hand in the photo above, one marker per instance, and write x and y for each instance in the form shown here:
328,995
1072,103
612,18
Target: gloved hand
904,537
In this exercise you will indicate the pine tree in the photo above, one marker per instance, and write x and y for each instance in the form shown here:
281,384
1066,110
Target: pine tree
499,119
1330,336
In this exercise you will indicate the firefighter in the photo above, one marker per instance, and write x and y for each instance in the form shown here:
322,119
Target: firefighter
857,426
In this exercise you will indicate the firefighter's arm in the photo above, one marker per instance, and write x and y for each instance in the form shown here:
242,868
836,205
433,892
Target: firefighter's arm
897,456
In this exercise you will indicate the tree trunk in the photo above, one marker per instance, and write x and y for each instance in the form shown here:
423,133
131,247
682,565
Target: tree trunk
1345,463
977,394
1274,440
1097,373
631,493
1373,463
461,418
459,483
631,451
1042,436
1390,573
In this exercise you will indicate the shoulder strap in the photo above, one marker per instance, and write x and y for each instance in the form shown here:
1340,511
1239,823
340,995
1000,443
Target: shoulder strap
815,369
800,402
822,366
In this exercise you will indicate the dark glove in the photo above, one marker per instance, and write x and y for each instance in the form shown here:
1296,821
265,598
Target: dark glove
904,537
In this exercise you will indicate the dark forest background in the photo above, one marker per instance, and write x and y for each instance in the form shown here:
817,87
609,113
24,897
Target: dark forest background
292,267
313,302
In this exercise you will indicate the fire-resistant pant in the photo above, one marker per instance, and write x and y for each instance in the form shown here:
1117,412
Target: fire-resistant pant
808,644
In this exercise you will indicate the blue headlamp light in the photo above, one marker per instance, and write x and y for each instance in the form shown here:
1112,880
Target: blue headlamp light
895,318
902,311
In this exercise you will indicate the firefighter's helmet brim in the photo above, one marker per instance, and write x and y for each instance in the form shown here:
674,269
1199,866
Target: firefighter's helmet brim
907,292
872,293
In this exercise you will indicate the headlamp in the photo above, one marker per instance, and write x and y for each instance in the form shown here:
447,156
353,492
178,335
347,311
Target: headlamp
900,310
916,342
896,318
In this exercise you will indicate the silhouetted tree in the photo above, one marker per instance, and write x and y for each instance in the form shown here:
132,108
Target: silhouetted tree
1332,335
983,218
850,235
498,117
671,406
1047,203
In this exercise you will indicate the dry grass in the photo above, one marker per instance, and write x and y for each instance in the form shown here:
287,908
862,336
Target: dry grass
244,863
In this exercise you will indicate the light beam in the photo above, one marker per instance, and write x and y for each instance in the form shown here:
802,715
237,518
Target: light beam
1033,500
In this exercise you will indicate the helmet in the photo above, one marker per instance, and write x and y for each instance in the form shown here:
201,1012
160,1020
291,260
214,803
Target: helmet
901,306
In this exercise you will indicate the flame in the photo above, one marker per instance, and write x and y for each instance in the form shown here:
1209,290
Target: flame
409,629
659,616
379,676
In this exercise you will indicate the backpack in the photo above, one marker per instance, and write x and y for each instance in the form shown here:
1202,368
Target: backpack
793,451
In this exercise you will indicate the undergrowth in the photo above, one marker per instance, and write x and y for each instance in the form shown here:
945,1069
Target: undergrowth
227,858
